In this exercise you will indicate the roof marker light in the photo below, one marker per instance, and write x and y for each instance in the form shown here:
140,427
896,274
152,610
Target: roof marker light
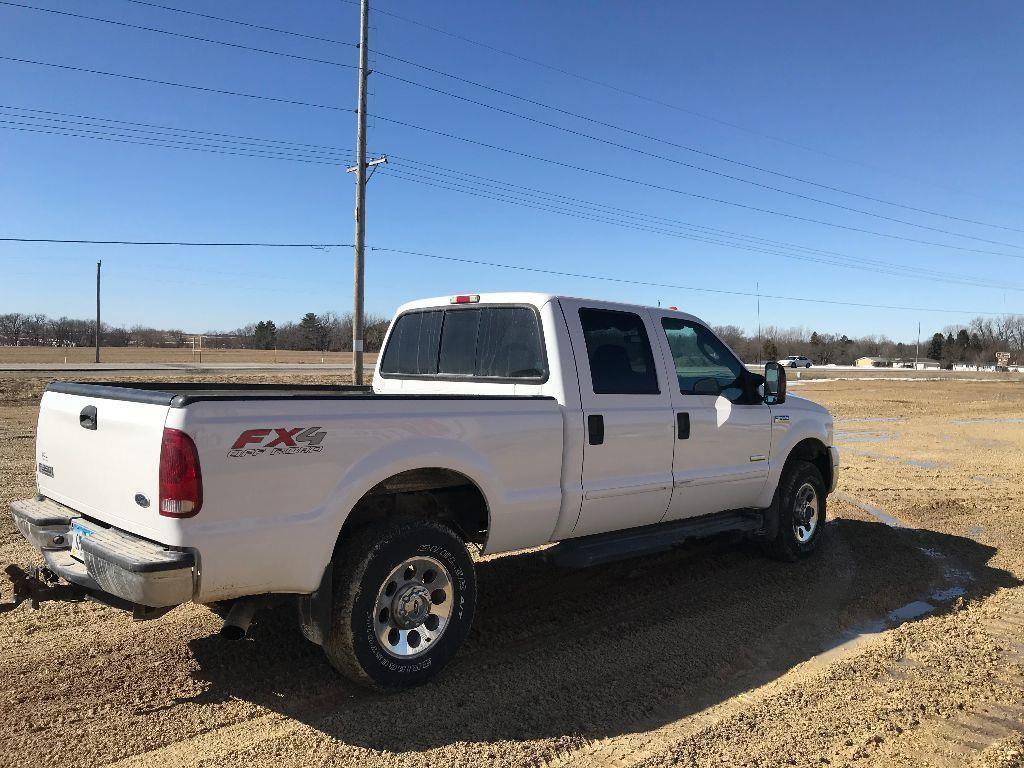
471,298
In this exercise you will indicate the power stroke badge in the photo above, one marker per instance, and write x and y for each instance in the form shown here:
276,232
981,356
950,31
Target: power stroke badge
276,441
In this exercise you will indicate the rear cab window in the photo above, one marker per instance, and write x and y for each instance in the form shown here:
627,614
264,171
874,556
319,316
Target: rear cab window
482,343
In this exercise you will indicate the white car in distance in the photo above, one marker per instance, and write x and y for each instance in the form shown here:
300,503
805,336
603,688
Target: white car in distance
795,361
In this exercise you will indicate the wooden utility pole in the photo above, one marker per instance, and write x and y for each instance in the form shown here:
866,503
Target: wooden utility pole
760,352
360,242
98,265
917,349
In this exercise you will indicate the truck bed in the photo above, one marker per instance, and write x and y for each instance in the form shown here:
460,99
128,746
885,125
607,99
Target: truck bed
269,518
180,394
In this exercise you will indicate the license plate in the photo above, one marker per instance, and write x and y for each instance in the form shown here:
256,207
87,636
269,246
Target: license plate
78,532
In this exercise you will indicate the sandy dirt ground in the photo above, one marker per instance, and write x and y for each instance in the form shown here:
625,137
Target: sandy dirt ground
900,644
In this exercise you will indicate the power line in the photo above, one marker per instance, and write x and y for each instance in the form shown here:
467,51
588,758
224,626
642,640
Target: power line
327,148
519,153
651,100
721,174
662,188
873,266
588,215
589,212
443,171
498,265
262,143
552,203
608,278
153,81
573,132
195,38
121,139
184,243
246,23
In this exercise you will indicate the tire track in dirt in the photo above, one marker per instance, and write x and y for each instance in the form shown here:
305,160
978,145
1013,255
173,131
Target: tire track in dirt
659,746
955,740
697,682
491,652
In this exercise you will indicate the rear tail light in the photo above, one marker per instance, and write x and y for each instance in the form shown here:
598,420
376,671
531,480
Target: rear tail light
471,298
181,482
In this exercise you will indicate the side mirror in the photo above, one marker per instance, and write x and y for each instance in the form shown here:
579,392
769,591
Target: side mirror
707,386
774,384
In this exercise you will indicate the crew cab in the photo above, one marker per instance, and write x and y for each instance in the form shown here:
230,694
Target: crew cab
494,422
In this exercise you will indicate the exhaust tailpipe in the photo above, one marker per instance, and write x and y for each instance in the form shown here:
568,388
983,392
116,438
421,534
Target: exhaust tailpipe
236,625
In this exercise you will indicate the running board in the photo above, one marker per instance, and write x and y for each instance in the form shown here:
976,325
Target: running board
649,539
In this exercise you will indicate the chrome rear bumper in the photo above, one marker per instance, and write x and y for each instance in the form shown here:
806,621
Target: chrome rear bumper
112,561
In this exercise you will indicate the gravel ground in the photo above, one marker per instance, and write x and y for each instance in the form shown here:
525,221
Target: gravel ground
896,646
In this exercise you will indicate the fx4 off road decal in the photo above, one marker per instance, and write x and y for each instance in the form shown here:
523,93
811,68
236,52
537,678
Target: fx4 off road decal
278,440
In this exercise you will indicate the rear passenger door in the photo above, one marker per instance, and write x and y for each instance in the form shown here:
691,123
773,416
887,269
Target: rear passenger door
627,415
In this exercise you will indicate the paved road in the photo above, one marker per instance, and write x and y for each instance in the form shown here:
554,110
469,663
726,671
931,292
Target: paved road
134,368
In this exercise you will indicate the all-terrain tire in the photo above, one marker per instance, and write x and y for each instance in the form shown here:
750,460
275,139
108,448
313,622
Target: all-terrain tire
363,567
795,536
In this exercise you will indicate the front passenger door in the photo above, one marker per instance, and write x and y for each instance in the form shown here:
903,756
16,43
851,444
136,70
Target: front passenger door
723,426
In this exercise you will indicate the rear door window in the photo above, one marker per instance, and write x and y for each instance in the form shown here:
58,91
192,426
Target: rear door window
621,362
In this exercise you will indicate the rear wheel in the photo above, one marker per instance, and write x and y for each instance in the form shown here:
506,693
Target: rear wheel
404,596
800,502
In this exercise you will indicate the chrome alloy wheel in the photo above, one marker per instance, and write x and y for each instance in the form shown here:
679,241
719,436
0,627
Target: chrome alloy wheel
413,607
805,513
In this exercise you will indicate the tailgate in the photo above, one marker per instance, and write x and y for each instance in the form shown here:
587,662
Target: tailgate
100,455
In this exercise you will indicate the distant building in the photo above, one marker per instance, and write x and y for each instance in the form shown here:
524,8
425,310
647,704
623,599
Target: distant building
872,362
920,363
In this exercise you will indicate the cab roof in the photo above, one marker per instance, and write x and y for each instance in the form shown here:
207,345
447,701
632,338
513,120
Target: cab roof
535,299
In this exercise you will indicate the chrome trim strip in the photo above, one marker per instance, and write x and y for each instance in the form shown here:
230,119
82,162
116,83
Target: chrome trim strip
756,474
609,493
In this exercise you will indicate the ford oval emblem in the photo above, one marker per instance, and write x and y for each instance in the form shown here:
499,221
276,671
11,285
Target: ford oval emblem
141,500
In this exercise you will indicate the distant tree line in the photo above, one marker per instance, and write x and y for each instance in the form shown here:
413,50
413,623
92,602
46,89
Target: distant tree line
326,332
975,343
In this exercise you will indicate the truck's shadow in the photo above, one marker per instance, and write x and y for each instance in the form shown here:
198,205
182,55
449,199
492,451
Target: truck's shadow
610,650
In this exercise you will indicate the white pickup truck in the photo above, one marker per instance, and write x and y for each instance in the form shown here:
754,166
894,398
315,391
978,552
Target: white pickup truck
499,422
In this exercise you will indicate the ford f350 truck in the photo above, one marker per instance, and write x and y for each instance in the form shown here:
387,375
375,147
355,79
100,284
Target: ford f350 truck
499,422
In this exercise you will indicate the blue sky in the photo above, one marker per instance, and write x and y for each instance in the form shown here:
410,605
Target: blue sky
916,103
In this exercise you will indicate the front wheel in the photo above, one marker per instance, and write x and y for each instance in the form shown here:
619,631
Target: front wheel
404,596
800,502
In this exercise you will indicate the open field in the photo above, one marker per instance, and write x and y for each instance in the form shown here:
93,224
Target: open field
47,355
900,644
76,357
